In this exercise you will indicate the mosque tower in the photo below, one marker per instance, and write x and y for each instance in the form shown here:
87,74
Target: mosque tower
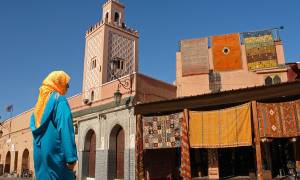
109,39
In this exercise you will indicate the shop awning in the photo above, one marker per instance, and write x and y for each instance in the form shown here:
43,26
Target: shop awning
230,127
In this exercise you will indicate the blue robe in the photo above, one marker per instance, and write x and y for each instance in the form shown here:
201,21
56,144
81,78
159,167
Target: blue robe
54,141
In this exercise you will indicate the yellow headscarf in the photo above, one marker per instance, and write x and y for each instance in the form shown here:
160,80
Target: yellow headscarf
55,81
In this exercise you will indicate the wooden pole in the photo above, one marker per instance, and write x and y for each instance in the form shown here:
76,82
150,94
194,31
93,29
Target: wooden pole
257,142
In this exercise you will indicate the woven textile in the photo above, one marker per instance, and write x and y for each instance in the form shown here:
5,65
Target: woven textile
139,168
226,52
162,131
194,55
185,151
260,50
279,119
230,127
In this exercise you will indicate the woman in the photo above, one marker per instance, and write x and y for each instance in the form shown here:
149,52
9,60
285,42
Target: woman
55,153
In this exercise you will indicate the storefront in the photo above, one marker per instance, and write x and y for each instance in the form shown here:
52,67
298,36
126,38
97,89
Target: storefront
279,129
161,142
227,134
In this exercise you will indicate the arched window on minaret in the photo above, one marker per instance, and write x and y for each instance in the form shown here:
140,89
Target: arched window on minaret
106,17
117,17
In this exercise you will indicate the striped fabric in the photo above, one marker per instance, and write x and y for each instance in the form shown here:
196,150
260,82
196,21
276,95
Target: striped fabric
185,150
229,127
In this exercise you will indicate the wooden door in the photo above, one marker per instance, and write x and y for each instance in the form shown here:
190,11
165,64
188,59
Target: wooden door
120,144
92,156
25,160
7,163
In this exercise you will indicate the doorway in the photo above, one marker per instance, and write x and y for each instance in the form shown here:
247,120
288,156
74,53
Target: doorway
116,153
236,161
7,163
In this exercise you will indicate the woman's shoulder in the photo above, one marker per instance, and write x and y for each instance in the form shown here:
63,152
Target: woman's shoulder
59,98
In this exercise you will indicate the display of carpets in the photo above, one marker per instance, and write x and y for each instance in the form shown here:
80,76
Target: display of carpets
260,49
279,119
194,56
226,52
230,127
162,131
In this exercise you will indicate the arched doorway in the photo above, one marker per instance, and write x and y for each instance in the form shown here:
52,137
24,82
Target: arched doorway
7,163
90,150
25,160
116,149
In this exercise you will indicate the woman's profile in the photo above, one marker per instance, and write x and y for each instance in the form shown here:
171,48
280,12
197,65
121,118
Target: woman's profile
54,147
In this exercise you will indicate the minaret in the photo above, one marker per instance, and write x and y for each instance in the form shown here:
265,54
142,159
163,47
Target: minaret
109,39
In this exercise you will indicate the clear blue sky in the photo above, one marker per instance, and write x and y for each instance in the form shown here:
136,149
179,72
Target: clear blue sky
38,36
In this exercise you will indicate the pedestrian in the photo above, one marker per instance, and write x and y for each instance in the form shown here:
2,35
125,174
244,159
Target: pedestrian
54,147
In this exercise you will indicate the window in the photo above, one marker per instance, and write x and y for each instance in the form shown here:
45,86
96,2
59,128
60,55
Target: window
106,16
120,64
117,17
76,129
92,96
268,80
276,79
214,81
93,63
